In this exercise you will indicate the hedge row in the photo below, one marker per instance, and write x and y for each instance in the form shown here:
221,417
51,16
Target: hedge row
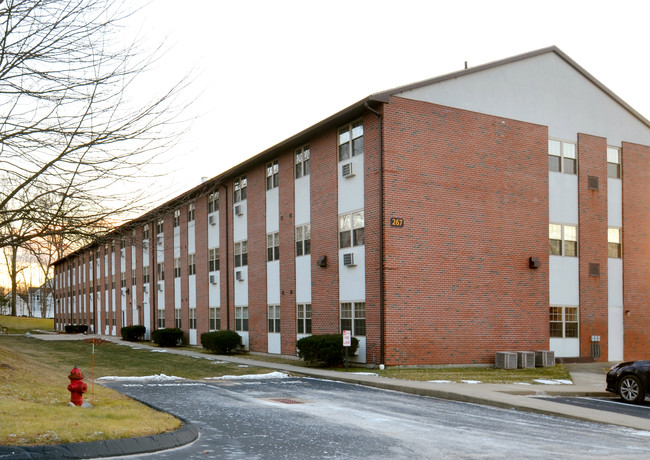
76,328
133,333
167,337
326,349
222,342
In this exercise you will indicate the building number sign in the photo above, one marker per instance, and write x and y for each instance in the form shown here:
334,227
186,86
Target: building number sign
396,222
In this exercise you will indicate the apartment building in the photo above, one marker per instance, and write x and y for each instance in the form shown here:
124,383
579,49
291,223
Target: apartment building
501,207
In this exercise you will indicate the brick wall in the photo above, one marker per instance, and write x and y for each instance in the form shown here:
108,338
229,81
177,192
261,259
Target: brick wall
473,192
592,242
287,254
256,215
636,250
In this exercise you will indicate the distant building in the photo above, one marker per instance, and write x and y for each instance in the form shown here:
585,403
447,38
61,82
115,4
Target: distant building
501,207
35,303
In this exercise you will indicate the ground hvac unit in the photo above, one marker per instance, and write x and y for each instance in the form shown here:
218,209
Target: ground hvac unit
525,359
238,210
239,276
212,220
348,259
544,358
505,360
346,170
213,279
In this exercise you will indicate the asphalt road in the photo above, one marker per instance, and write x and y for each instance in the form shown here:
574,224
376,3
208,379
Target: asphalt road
613,404
311,418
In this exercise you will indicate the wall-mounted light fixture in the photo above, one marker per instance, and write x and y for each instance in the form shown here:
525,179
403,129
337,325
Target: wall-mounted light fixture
534,263
322,261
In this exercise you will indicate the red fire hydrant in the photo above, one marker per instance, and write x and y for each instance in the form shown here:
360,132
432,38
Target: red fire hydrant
76,388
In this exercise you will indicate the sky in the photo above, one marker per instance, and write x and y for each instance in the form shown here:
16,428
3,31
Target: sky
262,71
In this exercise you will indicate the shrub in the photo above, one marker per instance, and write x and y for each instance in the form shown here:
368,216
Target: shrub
326,349
76,328
133,333
221,341
167,337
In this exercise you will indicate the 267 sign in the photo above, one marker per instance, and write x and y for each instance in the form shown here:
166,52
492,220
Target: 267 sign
396,222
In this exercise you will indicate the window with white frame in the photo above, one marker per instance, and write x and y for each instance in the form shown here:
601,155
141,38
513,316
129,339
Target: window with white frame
161,271
613,162
564,322
614,249
563,240
274,319
159,227
192,318
213,202
239,189
145,274
161,319
177,318
351,140
304,318
213,259
272,247
241,318
353,317
241,253
272,174
351,229
303,240
562,156
215,318
302,161
191,264
191,209
177,267
123,280
177,218
145,232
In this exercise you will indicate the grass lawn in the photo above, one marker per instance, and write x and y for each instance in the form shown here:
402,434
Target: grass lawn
34,395
20,325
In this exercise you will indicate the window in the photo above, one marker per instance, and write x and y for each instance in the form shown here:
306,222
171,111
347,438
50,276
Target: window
241,253
239,189
192,318
177,267
272,174
213,259
241,318
614,243
303,240
177,318
215,319
563,240
213,202
302,162
123,280
613,163
351,141
132,279
159,227
564,322
274,318
351,229
161,319
353,317
304,318
562,157
177,218
145,274
190,212
161,271
272,247
191,264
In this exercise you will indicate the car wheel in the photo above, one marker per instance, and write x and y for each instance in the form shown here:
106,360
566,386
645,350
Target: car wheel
631,390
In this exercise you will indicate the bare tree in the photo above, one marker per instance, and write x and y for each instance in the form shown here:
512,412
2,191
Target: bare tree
72,141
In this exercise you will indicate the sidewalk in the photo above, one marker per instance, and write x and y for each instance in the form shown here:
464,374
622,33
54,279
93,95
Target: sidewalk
588,379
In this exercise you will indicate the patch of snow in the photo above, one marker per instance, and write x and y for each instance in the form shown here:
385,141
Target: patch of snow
156,350
553,381
218,362
271,375
522,383
440,381
471,382
364,373
243,365
146,378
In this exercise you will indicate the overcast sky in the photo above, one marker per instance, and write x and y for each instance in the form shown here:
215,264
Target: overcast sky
266,70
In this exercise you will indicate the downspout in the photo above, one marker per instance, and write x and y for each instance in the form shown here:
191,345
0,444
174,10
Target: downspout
381,234
227,253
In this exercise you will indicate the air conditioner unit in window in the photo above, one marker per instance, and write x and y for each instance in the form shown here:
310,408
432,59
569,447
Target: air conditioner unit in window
212,220
347,170
238,210
348,259
159,238
239,276
160,286
145,289
213,279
